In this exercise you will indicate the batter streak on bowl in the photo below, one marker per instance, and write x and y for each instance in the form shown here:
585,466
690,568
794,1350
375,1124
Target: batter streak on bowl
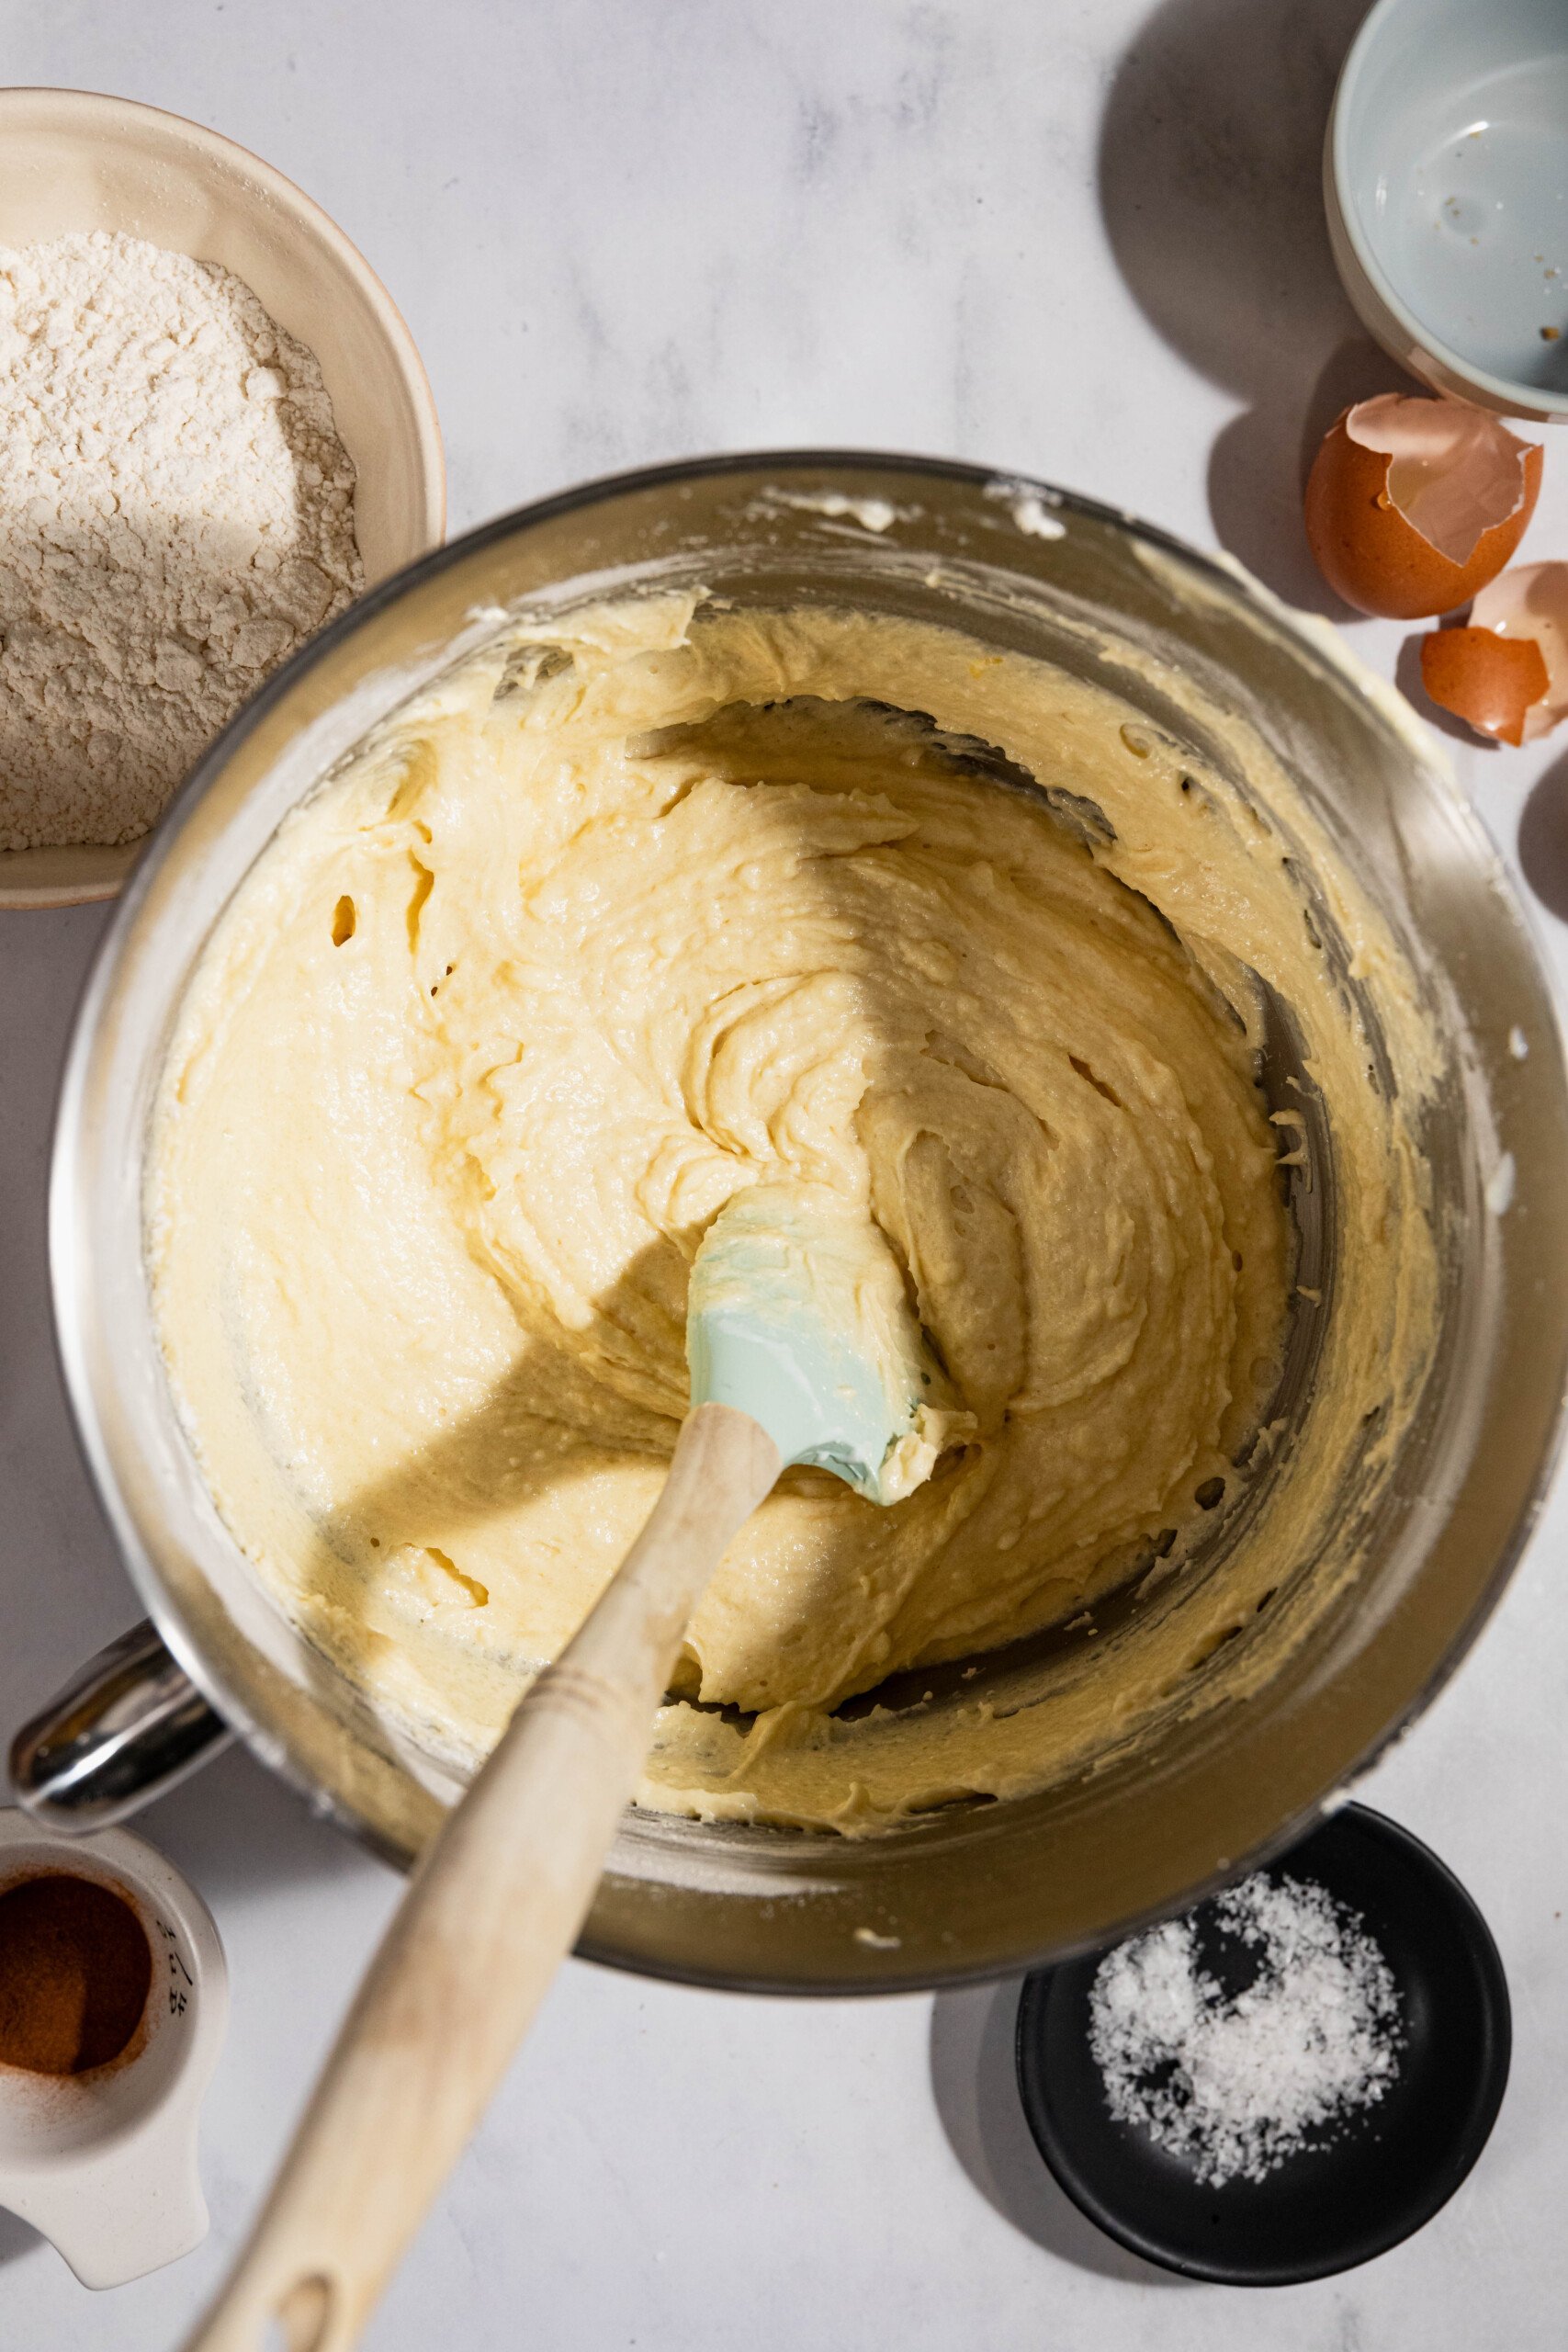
668,899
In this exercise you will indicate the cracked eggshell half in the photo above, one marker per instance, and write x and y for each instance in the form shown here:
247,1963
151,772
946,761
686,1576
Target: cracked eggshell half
1414,504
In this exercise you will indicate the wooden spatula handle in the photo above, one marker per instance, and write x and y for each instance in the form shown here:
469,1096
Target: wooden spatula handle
491,1911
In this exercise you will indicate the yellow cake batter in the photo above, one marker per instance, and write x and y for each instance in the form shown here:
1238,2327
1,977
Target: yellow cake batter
642,909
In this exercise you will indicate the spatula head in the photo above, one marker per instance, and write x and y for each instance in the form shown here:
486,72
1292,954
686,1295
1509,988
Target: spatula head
798,1315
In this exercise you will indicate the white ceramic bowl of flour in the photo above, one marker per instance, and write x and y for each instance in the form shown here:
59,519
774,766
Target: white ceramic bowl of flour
73,161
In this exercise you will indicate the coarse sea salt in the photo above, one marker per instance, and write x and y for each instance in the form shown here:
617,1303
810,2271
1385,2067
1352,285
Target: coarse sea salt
1234,2081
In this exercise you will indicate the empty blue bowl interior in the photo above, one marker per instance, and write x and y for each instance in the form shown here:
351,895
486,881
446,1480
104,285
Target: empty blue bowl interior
1454,157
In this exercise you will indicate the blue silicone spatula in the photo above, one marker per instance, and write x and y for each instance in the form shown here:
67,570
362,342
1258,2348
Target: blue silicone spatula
803,1348
799,1316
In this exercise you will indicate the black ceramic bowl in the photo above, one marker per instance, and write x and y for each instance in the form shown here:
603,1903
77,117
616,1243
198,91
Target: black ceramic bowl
1382,2174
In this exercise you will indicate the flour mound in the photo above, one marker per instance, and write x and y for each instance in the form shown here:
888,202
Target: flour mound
176,517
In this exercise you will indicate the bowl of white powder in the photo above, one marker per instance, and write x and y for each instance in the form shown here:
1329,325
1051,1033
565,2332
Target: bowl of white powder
215,431
1288,2080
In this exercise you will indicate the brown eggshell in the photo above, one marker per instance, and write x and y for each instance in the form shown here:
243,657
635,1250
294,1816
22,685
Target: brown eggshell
1488,681
1374,558
1531,603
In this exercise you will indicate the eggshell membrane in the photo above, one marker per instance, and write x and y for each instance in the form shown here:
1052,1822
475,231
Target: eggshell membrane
1488,681
1374,558
1454,470
1531,603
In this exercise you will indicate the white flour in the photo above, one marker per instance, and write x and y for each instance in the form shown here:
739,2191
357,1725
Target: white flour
175,514
1236,2083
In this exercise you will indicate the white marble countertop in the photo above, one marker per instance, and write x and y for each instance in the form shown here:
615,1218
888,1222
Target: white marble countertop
1071,237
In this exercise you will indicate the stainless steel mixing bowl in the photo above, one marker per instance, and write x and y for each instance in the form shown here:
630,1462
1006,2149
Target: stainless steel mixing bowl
978,1888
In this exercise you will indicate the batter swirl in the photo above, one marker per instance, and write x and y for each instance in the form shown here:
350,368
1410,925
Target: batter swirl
625,916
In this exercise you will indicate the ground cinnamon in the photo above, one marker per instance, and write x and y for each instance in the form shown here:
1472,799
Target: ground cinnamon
75,1967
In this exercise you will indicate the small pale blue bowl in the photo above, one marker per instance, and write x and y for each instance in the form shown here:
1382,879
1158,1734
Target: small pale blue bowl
1446,182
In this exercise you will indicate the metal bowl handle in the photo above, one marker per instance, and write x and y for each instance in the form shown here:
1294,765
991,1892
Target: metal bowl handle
129,1726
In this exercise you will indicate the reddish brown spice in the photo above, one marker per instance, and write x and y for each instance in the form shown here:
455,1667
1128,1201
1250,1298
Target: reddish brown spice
75,1967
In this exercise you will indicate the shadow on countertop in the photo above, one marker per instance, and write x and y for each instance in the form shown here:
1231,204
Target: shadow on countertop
16,2237
1211,187
1543,838
975,2090
236,1829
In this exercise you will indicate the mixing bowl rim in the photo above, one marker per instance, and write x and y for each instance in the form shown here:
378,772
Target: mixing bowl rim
1234,586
